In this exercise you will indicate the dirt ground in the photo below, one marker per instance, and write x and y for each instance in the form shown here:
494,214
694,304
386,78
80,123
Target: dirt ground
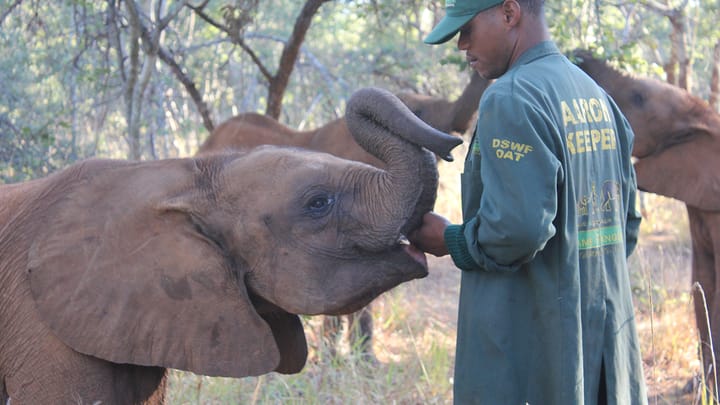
441,289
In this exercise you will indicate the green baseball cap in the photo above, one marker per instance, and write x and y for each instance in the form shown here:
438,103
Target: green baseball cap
457,14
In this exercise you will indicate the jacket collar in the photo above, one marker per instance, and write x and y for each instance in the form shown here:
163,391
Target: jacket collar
540,50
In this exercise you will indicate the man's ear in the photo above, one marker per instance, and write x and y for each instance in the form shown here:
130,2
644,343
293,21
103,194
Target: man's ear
511,12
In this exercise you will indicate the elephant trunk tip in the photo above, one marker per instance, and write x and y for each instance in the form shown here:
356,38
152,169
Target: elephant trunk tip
365,104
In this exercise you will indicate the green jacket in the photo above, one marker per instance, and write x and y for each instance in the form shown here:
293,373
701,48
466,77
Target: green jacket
549,218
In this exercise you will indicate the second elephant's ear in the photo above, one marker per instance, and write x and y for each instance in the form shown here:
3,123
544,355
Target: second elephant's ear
120,274
687,171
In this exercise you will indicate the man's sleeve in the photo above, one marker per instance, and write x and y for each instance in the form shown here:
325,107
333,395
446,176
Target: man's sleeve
520,176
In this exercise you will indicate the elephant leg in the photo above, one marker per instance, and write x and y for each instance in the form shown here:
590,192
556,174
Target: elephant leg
331,331
712,223
707,301
704,301
139,384
3,393
360,332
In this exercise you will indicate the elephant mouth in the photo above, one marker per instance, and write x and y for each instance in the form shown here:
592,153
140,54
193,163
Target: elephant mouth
414,253
402,263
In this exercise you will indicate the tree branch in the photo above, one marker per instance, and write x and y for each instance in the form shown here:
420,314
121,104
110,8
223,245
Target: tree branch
190,87
152,47
289,55
9,10
235,38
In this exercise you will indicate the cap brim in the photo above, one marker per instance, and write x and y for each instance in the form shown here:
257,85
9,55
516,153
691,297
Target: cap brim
446,29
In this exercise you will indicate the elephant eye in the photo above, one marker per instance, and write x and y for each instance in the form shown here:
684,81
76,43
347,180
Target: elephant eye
637,98
319,205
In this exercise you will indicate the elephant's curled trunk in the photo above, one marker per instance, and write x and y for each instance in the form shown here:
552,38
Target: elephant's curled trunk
376,108
388,130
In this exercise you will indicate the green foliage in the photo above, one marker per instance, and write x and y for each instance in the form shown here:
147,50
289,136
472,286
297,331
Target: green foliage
64,77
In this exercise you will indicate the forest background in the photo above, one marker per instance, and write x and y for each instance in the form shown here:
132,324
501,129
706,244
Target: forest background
150,79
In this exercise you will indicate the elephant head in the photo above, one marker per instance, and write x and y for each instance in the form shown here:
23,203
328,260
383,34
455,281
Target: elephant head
203,264
677,135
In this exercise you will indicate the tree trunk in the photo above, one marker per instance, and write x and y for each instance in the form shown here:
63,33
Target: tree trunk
678,20
133,125
713,100
279,82
674,65
678,68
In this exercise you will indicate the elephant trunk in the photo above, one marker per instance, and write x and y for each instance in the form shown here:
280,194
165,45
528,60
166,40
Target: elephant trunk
466,106
388,130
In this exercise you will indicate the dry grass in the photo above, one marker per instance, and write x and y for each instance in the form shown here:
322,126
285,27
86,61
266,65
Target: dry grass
660,273
414,327
415,331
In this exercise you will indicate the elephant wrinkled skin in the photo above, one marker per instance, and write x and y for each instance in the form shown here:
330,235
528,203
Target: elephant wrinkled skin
677,144
112,271
250,130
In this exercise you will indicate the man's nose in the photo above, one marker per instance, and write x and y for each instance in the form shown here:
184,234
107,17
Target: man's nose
463,42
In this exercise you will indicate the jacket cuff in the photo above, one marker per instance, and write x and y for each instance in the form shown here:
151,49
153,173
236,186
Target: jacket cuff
457,246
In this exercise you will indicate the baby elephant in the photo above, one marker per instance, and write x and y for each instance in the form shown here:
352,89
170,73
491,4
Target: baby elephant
113,271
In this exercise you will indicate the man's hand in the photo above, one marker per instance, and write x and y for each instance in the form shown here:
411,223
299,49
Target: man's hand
430,236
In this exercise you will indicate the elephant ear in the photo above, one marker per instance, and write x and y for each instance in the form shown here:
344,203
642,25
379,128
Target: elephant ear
122,273
686,171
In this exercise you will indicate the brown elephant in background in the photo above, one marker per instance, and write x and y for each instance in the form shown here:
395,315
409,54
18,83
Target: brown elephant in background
112,271
249,130
677,147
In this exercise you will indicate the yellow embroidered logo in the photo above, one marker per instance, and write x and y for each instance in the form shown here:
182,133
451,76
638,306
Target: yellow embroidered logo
584,111
507,149
591,140
578,114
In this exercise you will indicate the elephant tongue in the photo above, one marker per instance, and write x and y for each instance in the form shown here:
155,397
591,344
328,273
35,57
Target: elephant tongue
417,254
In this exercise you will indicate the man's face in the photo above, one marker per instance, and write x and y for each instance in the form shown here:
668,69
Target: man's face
486,42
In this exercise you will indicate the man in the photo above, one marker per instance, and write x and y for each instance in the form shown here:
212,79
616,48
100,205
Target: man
549,218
